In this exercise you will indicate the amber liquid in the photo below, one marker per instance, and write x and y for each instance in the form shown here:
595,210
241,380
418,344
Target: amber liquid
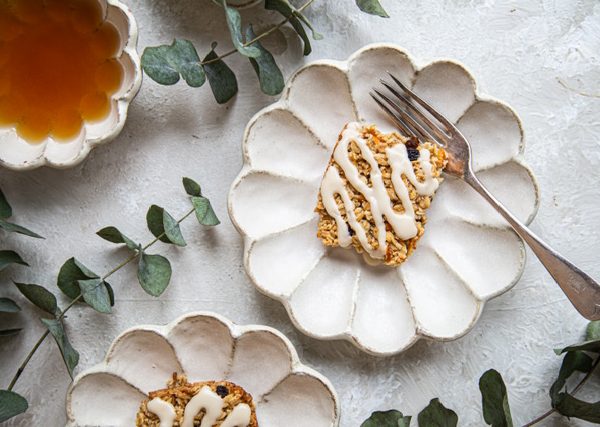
58,67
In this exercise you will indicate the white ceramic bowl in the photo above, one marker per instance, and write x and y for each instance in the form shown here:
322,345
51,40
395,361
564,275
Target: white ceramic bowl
16,153
468,253
205,347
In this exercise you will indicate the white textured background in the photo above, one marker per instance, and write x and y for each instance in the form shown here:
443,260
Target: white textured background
519,51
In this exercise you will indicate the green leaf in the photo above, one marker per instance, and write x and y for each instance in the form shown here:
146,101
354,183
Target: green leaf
437,415
96,294
111,294
494,399
287,10
162,225
9,332
10,257
154,273
113,235
574,361
234,22
391,418
269,74
39,296
11,405
372,7
164,64
70,273
222,80
5,209
204,211
14,228
8,306
571,407
592,331
591,346
69,354
192,187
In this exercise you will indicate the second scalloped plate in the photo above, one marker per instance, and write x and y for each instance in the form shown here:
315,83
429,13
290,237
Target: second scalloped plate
204,347
468,253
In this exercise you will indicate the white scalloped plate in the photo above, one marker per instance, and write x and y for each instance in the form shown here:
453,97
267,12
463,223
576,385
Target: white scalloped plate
204,346
18,154
468,253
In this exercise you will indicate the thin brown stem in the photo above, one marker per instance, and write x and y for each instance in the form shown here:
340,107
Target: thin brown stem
575,390
27,359
259,37
78,298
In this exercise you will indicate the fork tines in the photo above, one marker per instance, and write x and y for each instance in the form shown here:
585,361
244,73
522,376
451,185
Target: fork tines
400,106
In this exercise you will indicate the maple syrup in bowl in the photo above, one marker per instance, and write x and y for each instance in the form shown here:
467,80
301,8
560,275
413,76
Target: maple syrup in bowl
68,70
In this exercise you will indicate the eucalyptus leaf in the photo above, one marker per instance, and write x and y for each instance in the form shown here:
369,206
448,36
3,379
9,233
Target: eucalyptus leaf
269,75
592,331
9,332
591,346
372,7
10,257
437,415
234,22
96,294
14,228
5,209
39,296
574,361
154,273
163,226
111,294
69,354
494,399
220,77
165,64
70,273
571,407
192,187
8,306
391,418
285,8
113,235
11,405
204,211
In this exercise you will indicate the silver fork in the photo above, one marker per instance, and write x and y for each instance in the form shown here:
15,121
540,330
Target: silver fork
417,118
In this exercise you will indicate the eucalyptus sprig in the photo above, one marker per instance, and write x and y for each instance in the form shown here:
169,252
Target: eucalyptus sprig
81,285
167,64
580,360
10,257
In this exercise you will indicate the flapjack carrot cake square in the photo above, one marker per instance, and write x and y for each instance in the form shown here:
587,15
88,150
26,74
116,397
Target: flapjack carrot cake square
200,404
375,192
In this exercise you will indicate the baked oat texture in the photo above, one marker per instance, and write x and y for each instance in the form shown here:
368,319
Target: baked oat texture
398,250
179,392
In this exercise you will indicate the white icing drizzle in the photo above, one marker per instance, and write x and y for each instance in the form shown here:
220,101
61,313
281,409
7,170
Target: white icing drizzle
163,410
206,399
239,417
403,224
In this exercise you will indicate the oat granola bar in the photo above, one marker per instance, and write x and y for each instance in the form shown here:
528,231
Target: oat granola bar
179,395
375,192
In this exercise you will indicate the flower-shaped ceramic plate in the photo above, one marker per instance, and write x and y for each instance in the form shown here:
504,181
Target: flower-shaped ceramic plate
205,347
468,253
16,153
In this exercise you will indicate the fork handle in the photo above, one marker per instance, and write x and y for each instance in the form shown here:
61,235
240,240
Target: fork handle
581,289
